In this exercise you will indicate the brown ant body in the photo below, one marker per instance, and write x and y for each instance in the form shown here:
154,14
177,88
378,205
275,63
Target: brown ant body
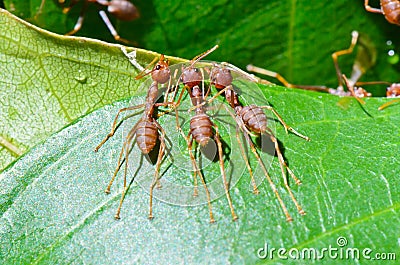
252,120
145,132
122,9
389,8
202,129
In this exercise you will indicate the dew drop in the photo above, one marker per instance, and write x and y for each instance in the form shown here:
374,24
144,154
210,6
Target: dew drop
81,78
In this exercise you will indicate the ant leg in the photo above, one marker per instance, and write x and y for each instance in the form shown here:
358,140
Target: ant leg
158,164
126,144
335,55
39,12
242,150
71,5
114,126
271,183
222,168
371,9
283,165
287,127
132,134
255,69
196,170
350,87
81,17
241,146
387,104
112,30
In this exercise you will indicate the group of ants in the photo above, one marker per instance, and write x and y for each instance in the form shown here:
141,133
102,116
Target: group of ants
250,119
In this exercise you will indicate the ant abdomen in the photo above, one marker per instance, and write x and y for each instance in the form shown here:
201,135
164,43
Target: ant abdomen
146,136
254,118
123,10
391,10
201,128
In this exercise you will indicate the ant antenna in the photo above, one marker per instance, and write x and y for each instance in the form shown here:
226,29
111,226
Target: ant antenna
143,73
201,56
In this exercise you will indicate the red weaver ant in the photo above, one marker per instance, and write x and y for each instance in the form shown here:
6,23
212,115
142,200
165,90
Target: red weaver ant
145,132
251,120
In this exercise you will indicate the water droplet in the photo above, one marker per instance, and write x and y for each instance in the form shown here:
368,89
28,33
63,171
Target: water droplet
81,78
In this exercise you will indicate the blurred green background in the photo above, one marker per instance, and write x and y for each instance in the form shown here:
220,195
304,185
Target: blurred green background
294,38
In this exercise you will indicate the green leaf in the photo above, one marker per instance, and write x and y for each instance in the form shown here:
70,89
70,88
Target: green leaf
50,80
54,210
294,38
282,39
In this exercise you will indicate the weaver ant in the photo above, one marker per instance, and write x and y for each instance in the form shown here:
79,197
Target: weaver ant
202,129
358,71
389,8
251,120
122,9
145,132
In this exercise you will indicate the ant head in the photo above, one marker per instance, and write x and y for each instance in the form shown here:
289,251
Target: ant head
191,77
393,91
220,77
123,10
161,72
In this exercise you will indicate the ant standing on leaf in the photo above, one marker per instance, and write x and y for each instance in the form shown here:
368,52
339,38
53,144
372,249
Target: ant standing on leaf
121,9
251,120
202,129
389,8
145,132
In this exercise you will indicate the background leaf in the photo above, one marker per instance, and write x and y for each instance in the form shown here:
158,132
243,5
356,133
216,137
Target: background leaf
54,210
294,38
49,81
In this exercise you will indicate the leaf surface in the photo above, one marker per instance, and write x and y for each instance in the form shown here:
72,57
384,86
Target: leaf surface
53,208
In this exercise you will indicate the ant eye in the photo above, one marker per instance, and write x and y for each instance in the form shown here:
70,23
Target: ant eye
196,70
158,67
